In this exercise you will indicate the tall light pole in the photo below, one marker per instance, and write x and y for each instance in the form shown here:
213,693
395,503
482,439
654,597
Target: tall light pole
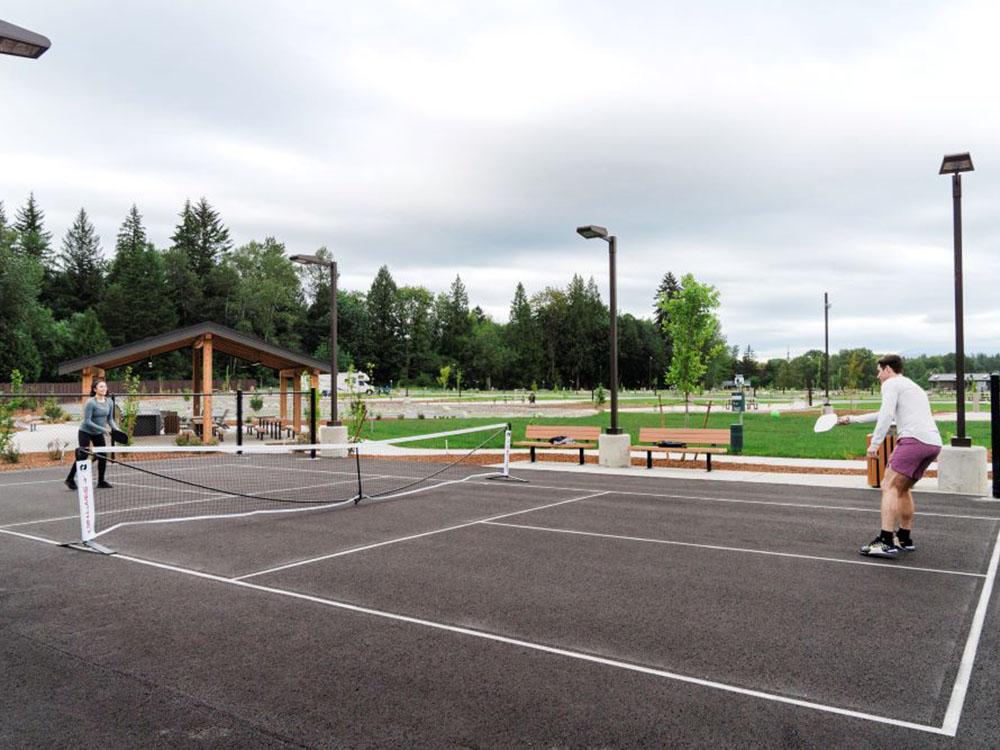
826,363
315,260
590,232
20,42
955,164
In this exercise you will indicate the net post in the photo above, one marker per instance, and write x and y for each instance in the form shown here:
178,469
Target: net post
85,497
357,464
995,430
239,417
505,472
506,452
312,420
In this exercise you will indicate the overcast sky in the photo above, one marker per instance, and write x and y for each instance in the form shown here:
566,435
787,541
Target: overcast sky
774,150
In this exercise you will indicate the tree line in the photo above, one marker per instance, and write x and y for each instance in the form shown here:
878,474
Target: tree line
58,305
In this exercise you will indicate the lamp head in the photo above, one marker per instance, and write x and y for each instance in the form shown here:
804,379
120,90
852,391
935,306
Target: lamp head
592,231
308,260
955,163
20,42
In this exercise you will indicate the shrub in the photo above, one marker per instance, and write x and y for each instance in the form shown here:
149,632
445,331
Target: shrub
11,454
53,411
600,395
186,437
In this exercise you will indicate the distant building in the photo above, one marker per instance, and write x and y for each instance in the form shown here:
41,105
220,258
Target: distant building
945,381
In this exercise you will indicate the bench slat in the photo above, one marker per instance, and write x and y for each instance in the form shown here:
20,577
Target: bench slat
656,434
544,432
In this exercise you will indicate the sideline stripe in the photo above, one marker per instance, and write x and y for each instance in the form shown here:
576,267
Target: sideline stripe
578,655
954,712
739,501
409,538
735,549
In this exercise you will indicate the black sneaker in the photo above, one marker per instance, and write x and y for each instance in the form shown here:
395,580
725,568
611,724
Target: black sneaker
102,485
71,483
907,546
878,548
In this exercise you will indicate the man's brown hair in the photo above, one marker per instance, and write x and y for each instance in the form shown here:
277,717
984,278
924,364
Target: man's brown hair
892,360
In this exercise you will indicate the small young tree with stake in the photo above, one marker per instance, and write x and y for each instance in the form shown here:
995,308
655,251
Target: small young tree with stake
695,331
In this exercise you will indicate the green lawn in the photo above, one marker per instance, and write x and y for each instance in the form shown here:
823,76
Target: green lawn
789,435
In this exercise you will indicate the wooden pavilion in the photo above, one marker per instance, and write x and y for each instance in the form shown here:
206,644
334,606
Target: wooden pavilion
204,339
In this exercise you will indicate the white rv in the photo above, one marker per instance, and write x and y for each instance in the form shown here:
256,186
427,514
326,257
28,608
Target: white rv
347,382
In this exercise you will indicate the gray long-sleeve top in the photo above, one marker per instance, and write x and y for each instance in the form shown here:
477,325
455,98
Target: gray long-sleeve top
96,416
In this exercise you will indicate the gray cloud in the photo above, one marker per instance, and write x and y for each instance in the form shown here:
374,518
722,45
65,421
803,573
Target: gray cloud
776,152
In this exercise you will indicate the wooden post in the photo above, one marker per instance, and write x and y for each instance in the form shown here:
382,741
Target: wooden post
206,375
297,402
86,384
196,384
283,402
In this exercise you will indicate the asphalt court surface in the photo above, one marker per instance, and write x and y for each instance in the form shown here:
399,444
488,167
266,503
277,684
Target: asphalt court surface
571,610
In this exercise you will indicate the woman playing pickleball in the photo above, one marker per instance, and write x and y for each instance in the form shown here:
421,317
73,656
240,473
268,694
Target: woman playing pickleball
98,417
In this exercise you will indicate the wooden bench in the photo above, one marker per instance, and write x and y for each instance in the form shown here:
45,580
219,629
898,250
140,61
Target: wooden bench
541,436
707,441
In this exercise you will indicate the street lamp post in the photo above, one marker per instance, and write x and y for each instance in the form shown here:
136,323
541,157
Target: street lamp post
20,42
826,362
955,164
315,260
595,232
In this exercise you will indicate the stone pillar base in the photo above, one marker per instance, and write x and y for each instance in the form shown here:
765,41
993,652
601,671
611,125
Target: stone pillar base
613,450
963,470
336,436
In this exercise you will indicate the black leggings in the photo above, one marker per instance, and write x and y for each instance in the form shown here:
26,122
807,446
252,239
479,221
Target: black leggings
86,440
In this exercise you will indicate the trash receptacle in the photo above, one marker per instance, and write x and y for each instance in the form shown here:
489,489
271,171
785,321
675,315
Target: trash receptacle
877,464
736,438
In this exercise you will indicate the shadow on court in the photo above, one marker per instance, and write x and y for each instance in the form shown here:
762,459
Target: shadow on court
568,611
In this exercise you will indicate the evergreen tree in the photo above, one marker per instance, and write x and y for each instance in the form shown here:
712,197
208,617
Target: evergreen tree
20,286
455,324
524,341
32,239
80,282
668,289
383,317
200,242
138,302
7,235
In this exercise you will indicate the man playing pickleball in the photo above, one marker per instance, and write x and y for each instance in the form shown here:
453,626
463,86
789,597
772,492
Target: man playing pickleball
918,444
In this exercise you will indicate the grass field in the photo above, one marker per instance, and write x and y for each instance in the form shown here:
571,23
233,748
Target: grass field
789,435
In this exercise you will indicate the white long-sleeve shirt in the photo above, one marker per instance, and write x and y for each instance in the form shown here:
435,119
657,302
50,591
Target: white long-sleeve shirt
905,403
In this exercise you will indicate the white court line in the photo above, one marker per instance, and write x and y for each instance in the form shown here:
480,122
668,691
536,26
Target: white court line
31,537
954,712
408,538
742,501
36,481
578,655
734,549
949,727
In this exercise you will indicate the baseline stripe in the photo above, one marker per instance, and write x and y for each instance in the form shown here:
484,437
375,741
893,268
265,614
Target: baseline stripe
578,655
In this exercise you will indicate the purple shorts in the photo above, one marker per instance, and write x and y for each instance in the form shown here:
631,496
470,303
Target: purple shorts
911,457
